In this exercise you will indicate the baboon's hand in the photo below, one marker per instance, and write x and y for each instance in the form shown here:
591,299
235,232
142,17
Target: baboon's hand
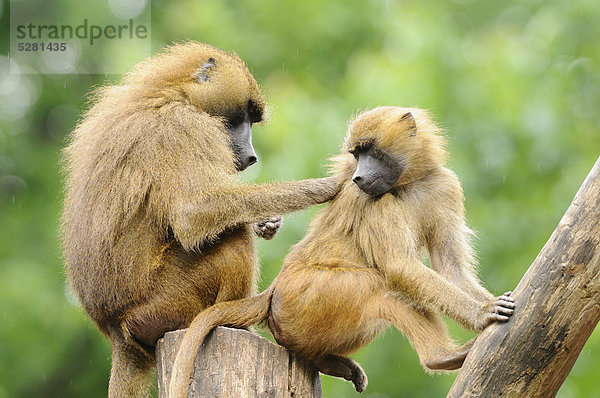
498,310
268,228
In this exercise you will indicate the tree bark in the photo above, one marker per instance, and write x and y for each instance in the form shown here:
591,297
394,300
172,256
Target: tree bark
237,363
558,306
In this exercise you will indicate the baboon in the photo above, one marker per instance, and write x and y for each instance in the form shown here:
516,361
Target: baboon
155,225
360,266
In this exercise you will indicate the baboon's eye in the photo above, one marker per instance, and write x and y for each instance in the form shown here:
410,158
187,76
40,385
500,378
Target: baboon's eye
254,112
235,119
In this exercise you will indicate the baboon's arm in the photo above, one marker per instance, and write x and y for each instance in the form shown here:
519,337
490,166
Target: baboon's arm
427,287
407,275
227,206
449,237
452,256
463,276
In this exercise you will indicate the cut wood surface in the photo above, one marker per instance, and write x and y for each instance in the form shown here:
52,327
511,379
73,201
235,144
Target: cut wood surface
558,307
237,363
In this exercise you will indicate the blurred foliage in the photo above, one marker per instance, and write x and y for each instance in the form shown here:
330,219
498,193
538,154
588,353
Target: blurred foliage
516,85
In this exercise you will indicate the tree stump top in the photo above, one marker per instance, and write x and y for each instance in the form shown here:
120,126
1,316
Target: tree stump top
238,363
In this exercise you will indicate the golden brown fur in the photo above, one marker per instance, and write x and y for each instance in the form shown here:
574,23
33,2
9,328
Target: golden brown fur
155,225
360,266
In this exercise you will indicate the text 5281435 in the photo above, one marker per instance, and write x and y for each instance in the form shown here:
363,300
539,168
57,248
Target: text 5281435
41,46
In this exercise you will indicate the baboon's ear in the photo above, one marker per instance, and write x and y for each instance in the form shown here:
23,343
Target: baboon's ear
202,75
409,120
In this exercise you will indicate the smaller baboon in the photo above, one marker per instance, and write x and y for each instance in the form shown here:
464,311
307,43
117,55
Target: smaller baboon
360,266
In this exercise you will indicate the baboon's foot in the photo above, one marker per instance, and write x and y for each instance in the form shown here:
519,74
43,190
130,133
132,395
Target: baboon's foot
345,368
453,360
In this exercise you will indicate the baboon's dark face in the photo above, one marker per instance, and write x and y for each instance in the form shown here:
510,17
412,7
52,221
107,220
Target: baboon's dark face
239,129
241,144
376,172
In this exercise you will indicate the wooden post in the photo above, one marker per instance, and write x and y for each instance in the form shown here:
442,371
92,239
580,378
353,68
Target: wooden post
237,363
558,306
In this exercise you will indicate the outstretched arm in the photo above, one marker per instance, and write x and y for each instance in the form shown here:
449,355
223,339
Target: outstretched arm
232,205
425,286
452,257
405,273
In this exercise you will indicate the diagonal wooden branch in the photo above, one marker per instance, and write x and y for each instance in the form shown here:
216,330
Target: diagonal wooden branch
558,306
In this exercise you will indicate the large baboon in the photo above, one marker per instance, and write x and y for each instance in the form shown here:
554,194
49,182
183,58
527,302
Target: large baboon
360,266
155,226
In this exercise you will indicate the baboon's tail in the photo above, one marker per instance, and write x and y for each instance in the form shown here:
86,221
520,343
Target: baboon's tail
239,313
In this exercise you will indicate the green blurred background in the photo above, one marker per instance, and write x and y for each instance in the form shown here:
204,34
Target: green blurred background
516,85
